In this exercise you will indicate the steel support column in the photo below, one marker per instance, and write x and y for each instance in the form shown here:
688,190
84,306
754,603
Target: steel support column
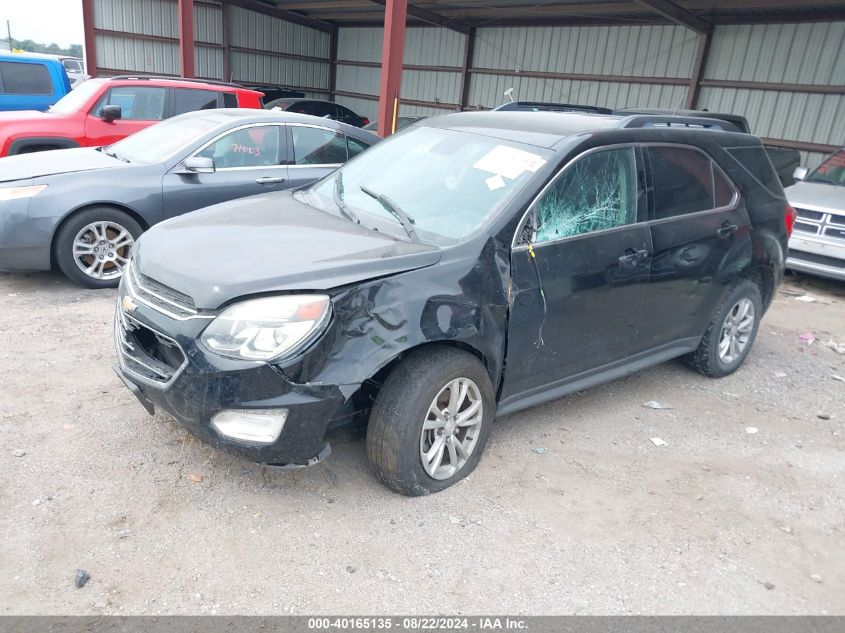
90,42
187,66
392,51
227,51
469,53
333,37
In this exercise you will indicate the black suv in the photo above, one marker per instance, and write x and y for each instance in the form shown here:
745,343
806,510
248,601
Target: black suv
468,267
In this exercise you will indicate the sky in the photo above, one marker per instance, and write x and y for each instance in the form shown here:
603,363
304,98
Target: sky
45,21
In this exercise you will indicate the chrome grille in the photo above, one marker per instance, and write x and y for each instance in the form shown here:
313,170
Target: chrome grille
816,216
158,296
820,223
150,356
806,227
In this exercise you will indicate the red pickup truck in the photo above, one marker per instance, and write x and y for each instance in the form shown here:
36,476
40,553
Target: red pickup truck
103,111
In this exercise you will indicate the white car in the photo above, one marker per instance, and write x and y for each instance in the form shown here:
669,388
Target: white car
817,244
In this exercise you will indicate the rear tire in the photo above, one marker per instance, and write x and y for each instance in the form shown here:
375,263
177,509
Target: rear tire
448,392
731,333
94,245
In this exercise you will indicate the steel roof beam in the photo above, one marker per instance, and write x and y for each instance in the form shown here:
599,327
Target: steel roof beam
677,14
287,16
432,18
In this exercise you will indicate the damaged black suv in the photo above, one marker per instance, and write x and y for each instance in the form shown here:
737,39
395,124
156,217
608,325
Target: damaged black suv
471,266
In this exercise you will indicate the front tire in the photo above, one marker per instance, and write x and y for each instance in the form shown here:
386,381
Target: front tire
730,336
94,246
431,421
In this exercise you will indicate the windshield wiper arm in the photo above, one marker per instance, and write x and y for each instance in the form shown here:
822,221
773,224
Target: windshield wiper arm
396,211
338,199
114,155
821,179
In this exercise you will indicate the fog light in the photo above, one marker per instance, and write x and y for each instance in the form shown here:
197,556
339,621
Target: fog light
262,426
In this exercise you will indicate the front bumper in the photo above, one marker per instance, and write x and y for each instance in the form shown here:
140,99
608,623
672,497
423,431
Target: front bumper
24,240
817,255
202,384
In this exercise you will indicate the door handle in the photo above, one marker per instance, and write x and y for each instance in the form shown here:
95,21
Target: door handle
269,180
726,230
632,257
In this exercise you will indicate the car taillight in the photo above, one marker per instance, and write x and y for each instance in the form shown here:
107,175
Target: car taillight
366,121
789,219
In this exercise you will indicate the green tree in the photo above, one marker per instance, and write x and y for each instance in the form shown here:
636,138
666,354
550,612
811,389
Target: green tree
74,50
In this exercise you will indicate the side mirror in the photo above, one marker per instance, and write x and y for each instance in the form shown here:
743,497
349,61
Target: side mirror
199,165
111,113
800,173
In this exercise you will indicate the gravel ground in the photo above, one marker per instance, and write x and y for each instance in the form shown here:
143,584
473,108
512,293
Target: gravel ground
718,520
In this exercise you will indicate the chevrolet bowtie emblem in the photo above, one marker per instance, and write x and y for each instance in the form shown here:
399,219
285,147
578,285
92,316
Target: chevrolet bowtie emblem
128,305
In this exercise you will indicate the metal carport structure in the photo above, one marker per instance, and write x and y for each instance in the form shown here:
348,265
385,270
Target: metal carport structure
778,62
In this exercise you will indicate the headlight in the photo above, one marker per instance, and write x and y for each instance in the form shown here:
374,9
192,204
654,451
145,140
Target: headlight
14,193
262,329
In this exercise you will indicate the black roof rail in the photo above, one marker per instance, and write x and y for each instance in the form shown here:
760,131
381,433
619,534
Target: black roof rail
213,82
675,121
534,106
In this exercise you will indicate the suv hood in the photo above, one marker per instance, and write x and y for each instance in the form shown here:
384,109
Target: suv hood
268,243
57,161
817,196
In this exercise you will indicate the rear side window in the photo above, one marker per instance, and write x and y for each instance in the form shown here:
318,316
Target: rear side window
355,146
317,146
187,100
230,100
20,78
757,164
137,103
685,182
345,114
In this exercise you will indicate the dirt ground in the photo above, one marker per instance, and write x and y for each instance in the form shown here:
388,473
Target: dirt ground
719,520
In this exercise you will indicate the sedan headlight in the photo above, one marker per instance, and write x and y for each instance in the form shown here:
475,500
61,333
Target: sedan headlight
263,329
15,193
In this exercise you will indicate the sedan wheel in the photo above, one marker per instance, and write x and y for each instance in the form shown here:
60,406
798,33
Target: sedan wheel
93,246
102,249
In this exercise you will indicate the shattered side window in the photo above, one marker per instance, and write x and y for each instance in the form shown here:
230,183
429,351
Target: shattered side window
597,192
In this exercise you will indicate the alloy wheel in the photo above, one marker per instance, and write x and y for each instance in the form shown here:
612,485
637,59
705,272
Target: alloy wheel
101,249
736,331
451,428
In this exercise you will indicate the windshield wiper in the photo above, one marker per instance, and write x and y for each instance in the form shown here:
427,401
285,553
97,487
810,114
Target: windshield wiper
820,179
114,155
338,199
396,211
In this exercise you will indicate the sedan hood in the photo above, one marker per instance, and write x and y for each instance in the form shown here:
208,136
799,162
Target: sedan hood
268,243
57,161
817,196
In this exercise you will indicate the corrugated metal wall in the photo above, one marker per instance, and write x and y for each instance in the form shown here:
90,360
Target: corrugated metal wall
809,54
208,35
267,49
124,48
666,52
141,36
358,85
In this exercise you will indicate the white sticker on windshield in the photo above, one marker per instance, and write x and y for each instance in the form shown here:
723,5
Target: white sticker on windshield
495,182
509,162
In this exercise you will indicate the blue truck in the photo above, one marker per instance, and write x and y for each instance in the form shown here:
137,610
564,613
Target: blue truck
31,83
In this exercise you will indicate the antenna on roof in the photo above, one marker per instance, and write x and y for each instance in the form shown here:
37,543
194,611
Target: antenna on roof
509,94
